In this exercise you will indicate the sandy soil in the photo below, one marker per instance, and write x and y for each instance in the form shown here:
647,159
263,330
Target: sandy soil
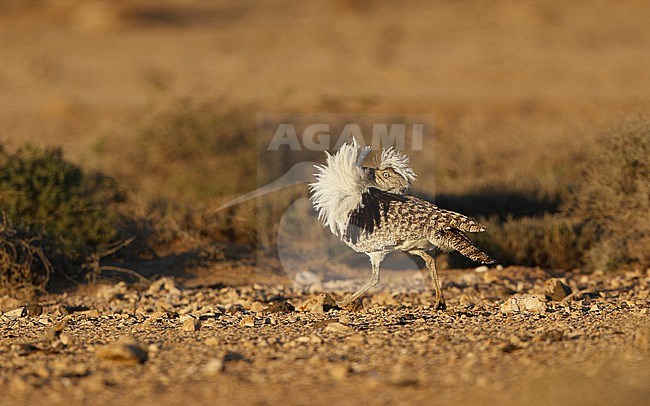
510,336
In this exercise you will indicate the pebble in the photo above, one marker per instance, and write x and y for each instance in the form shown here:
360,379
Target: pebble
34,310
214,366
257,307
65,339
126,349
108,293
280,307
384,345
16,313
527,303
322,303
191,324
164,285
556,289
339,328
248,321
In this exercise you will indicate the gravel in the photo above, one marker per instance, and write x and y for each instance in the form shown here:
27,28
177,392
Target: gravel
509,336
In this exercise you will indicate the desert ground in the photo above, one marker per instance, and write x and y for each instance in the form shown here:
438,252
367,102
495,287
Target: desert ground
265,344
196,312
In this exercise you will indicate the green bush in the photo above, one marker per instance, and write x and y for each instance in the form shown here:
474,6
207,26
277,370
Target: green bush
72,212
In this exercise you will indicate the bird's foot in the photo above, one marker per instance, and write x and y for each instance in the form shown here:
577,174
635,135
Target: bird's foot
355,306
440,304
352,306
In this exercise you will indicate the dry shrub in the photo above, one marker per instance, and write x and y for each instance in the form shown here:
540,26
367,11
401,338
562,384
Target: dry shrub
165,223
613,198
181,164
552,241
187,151
186,161
24,268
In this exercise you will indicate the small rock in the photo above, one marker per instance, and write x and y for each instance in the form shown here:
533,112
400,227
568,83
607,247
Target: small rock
92,313
108,293
527,303
556,289
214,366
339,328
248,321
164,285
280,307
322,303
257,307
126,350
236,308
232,356
16,313
191,324
55,332
154,348
345,319
34,310
508,347
65,340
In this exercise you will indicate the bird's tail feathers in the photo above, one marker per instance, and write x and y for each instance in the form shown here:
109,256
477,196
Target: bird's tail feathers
456,240
459,221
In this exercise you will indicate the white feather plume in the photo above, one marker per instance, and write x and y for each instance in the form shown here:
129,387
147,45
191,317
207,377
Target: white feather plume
391,158
339,186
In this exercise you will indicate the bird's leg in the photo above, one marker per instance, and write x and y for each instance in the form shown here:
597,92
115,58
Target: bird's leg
431,264
375,260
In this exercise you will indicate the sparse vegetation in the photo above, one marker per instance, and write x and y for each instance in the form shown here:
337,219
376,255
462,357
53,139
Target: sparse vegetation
185,163
62,212
551,241
188,151
25,269
612,201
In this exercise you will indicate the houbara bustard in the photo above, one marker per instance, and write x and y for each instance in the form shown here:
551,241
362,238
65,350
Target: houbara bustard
367,208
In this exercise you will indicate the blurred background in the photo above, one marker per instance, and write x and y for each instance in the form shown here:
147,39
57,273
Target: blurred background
529,98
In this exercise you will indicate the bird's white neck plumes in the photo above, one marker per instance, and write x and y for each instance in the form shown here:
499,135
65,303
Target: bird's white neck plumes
341,183
391,158
339,186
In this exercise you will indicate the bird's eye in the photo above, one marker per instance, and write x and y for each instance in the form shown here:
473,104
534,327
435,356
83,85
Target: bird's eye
386,174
